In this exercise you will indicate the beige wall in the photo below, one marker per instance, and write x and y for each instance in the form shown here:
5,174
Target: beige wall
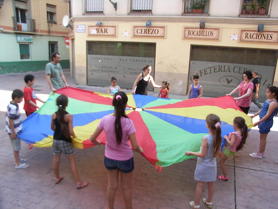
172,52
225,8
39,14
6,14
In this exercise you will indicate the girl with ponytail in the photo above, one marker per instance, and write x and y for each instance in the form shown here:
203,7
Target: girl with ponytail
61,124
206,168
235,142
266,114
118,157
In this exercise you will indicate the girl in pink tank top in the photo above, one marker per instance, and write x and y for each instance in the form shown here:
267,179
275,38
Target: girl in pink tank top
235,141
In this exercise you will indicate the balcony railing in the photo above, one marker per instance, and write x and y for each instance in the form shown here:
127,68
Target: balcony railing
196,6
29,26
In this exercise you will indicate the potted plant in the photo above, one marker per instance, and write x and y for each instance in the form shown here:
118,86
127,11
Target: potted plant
253,9
244,10
199,6
262,7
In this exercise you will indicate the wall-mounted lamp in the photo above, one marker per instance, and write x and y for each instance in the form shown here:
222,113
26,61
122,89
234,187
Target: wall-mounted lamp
202,24
149,23
260,27
99,23
115,4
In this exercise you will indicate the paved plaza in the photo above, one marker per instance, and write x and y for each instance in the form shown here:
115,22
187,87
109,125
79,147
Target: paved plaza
253,183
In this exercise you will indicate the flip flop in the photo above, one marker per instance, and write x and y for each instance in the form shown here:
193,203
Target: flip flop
223,178
58,181
82,186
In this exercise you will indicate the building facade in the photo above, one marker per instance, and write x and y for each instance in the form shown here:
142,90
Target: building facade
217,39
30,31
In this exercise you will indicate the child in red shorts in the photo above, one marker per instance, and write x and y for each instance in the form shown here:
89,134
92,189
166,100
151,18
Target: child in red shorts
30,104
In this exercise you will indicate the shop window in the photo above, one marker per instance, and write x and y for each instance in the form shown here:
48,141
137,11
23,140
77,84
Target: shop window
141,5
196,6
95,6
24,50
255,7
51,13
52,48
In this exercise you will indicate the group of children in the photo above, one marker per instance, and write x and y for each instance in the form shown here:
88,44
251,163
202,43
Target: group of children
120,134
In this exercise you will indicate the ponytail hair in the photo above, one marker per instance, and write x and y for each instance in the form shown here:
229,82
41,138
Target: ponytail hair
240,123
145,68
62,103
119,102
167,84
213,123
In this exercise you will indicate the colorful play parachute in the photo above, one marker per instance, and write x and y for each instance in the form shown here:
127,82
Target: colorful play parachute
165,128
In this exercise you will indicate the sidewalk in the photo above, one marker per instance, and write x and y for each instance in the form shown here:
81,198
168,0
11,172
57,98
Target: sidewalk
253,183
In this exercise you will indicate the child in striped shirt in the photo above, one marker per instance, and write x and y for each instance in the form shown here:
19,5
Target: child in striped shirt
14,126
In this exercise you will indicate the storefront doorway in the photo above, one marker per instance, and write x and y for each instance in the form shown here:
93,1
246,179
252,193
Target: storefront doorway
220,68
123,60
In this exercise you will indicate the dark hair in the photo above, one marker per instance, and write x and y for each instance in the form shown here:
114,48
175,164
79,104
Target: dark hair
113,79
248,74
167,84
195,77
54,55
29,77
256,73
17,93
62,103
212,120
240,123
273,90
119,102
146,67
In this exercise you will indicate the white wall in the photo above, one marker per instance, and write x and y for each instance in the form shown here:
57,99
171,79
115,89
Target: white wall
226,8
77,7
274,9
122,7
168,7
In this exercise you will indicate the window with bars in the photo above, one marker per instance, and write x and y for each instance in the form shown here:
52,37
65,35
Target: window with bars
196,6
51,13
94,6
24,51
141,5
255,7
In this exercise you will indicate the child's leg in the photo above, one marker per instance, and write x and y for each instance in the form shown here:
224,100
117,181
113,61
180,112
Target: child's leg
198,192
56,165
262,143
16,157
112,186
210,191
223,159
74,169
126,184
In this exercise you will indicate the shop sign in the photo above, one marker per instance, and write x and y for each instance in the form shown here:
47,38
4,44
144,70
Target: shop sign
201,34
102,30
24,39
218,78
150,31
254,36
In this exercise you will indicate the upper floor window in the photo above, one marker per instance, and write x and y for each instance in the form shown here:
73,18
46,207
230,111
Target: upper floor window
94,6
141,5
255,7
51,13
20,15
196,6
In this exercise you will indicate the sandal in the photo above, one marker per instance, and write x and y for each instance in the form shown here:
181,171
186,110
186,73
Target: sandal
192,205
223,178
82,185
58,181
208,204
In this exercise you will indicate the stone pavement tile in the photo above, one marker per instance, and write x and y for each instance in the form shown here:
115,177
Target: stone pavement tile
256,190
269,163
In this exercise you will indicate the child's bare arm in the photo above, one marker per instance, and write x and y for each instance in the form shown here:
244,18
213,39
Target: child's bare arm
11,126
201,92
33,104
134,144
271,109
231,140
69,118
93,137
204,149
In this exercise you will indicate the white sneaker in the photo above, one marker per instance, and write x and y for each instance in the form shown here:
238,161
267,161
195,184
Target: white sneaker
256,155
22,165
192,205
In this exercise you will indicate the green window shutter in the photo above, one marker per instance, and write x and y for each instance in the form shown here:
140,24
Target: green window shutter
24,50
